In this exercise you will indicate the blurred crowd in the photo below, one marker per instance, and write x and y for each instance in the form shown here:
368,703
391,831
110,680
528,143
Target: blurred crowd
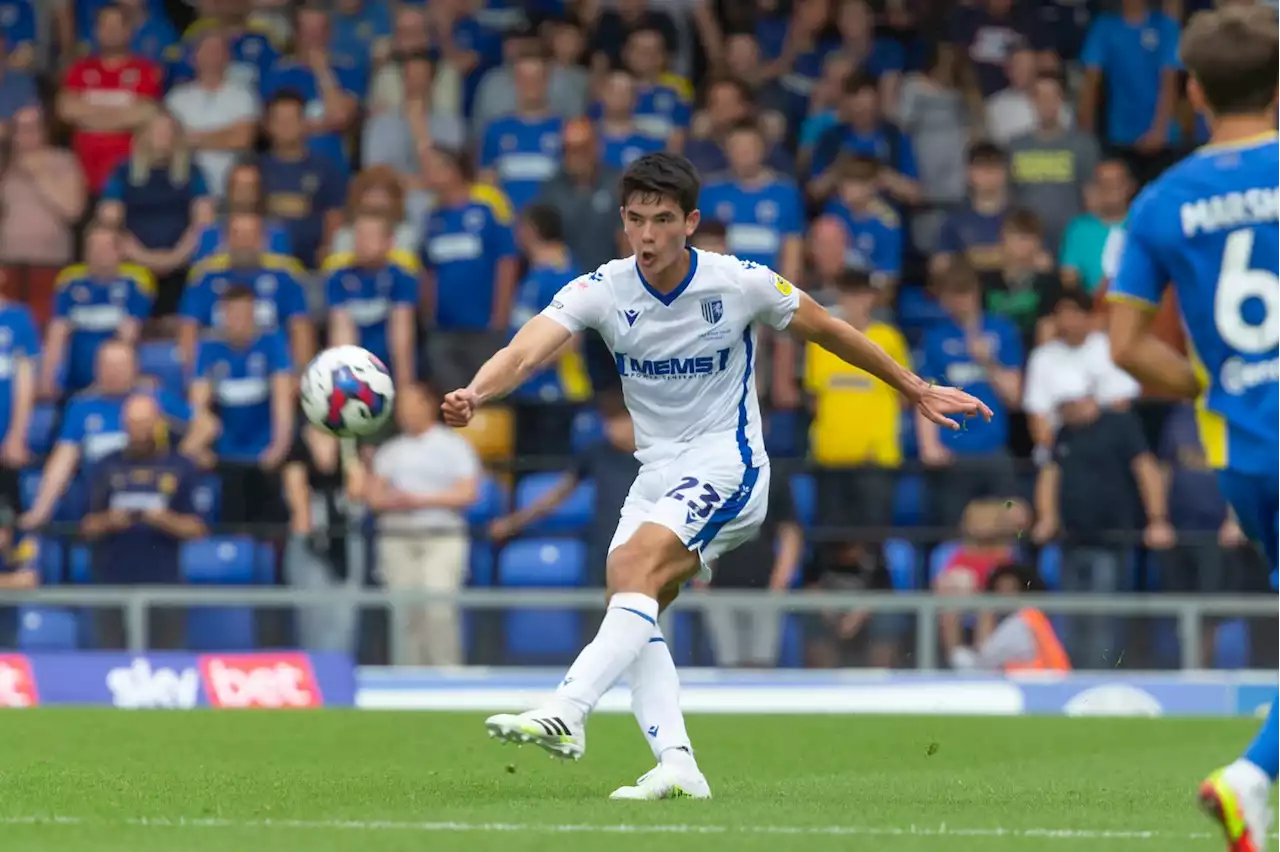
195,198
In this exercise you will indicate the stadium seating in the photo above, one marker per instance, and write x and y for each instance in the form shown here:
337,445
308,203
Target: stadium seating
40,432
909,508
492,434
1051,566
207,498
227,560
42,628
543,635
159,358
903,563
804,496
587,429
570,517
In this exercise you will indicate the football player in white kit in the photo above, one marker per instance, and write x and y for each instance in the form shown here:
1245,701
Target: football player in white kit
682,327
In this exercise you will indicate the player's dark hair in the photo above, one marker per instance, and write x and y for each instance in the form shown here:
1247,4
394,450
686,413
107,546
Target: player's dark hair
287,96
545,222
856,167
859,81
853,281
711,228
986,154
1233,53
1024,221
654,177
1076,298
238,293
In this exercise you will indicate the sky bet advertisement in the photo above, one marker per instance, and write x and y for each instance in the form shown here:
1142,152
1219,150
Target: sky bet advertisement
178,681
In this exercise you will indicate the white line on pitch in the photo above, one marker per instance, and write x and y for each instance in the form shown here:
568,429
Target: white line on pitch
585,828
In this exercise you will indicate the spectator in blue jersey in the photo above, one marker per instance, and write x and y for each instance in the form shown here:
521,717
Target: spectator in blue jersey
141,510
621,141
244,195
75,22
96,301
153,36
243,378
303,189
881,58
762,211
983,354
973,231
17,89
219,115
522,150
373,300
331,86
989,31
469,270
361,31
795,50
543,417
160,199
93,427
252,51
1135,54
728,102
862,130
874,231
662,107
18,31
281,302
19,348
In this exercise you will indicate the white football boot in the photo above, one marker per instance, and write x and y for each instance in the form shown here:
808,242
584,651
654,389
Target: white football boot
1238,797
547,729
669,780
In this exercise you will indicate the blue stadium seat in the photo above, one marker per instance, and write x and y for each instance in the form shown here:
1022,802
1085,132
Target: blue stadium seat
902,561
264,564
226,560
1051,566
1231,645
908,501
52,569
40,436
490,503
221,628
159,358
569,517
47,629
70,507
534,635
80,565
545,562
805,496
207,497
481,570
587,429
939,558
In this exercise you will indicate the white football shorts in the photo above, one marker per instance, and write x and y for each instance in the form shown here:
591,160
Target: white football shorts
708,498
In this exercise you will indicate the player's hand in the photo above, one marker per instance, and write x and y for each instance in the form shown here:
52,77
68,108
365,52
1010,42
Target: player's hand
1230,535
938,403
1159,535
1044,530
459,407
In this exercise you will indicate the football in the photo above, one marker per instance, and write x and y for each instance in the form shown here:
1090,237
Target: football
347,392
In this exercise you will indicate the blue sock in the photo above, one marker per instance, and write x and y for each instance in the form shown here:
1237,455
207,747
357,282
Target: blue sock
1264,751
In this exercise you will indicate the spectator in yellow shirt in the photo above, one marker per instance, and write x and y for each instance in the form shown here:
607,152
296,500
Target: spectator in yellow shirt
856,435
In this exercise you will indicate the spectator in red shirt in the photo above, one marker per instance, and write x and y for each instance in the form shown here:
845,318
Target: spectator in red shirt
106,97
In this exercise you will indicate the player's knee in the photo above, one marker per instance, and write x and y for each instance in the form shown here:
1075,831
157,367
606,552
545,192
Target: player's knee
635,567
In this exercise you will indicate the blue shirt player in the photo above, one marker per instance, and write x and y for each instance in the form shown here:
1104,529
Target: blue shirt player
93,302
372,298
1209,226
243,377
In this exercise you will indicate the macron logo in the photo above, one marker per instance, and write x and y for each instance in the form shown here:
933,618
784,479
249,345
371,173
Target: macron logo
653,732
631,316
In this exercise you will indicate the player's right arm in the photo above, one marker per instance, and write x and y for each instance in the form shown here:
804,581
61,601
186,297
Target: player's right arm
1135,297
579,305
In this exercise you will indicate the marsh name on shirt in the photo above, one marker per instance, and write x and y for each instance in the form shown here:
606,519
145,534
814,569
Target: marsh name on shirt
1229,210
672,368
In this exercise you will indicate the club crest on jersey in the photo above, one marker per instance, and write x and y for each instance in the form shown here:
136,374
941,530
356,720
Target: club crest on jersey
712,309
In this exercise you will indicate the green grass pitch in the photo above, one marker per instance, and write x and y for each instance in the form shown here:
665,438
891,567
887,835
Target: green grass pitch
81,780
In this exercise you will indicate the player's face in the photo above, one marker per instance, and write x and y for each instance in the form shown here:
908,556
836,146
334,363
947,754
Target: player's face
657,230
112,31
237,316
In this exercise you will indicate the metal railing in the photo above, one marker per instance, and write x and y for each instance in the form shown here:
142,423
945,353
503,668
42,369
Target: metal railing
1188,611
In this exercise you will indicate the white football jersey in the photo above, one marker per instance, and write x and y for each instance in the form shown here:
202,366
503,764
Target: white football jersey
685,358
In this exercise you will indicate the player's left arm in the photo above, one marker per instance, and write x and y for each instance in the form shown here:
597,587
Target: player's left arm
1135,297
806,319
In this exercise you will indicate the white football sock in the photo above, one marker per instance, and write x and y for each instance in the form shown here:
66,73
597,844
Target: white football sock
655,700
628,624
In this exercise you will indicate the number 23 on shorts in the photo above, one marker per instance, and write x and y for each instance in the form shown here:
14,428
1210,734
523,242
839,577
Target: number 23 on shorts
702,503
